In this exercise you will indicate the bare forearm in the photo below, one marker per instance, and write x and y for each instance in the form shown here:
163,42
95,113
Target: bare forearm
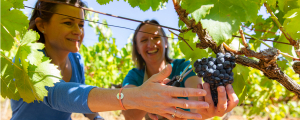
100,99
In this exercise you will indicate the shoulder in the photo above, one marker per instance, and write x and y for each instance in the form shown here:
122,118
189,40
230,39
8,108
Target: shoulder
134,77
135,71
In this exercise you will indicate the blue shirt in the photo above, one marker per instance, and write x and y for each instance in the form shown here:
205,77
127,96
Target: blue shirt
136,76
63,98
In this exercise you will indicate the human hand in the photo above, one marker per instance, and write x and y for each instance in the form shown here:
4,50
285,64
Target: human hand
223,106
156,97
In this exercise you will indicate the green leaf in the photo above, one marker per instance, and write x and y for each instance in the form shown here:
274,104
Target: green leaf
29,49
290,24
241,74
146,4
191,39
219,31
286,5
44,74
8,85
282,64
18,4
225,17
201,12
103,2
292,27
30,73
272,3
181,24
11,21
7,41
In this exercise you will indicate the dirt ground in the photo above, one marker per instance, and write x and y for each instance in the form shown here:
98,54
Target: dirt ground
115,115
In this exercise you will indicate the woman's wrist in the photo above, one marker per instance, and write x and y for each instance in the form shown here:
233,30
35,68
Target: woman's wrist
130,101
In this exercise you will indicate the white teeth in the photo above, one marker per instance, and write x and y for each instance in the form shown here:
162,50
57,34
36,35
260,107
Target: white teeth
153,51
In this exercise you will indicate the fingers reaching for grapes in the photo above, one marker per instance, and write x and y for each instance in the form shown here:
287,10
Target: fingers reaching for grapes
208,99
222,101
233,99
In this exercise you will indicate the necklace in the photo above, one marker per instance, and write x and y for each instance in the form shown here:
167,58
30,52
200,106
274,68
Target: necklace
62,71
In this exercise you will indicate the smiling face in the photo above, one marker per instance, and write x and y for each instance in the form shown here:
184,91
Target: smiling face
152,47
64,32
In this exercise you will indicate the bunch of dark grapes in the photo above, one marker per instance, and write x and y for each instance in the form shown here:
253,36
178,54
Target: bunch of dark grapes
216,72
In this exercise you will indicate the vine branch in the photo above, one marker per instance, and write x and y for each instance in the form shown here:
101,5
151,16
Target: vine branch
266,64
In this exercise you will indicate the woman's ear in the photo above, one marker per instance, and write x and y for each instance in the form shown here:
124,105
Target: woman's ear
40,24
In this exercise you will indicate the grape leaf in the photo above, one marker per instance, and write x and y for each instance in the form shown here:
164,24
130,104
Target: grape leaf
282,64
18,4
225,17
292,27
11,21
219,31
103,2
201,12
291,24
34,71
191,39
8,85
271,3
241,74
286,5
146,4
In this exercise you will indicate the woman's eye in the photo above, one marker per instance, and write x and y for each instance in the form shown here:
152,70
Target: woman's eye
156,38
68,23
81,25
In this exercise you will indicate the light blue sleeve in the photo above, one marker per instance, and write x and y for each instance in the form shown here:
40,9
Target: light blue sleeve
68,97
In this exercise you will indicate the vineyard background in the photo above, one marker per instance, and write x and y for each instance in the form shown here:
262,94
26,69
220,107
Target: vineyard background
106,65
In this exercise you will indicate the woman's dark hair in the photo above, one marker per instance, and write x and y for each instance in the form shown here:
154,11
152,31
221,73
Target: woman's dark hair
136,57
45,10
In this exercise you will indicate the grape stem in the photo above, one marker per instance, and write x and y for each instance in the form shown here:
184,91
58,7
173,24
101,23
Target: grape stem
258,40
282,53
275,19
230,49
181,39
243,37
262,40
287,55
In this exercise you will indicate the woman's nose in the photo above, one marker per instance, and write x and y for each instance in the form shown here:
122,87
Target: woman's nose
77,30
151,42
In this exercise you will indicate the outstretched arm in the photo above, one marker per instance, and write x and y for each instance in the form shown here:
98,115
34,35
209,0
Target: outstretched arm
153,96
